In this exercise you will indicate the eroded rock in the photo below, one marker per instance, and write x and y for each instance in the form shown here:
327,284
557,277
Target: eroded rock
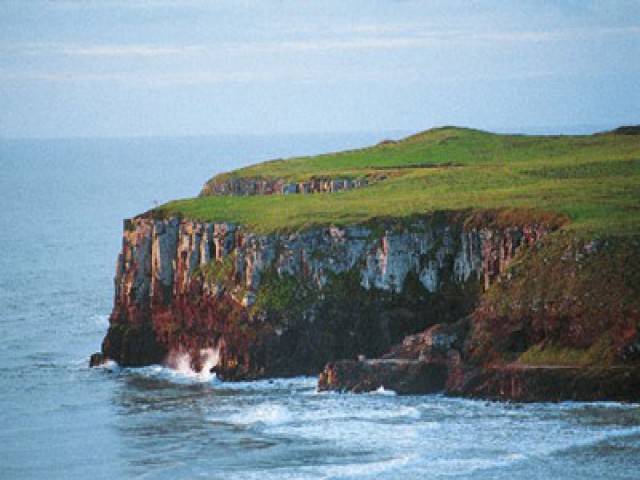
284,304
400,376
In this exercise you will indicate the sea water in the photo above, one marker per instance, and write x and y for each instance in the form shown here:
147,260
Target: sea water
61,208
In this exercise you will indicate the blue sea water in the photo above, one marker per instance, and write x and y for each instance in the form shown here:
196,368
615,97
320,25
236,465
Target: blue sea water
61,208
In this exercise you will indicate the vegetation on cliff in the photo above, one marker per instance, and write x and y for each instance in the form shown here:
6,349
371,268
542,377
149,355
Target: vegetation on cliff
568,302
593,180
518,254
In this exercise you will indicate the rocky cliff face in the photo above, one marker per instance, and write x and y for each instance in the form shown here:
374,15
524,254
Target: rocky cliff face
231,186
563,323
285,304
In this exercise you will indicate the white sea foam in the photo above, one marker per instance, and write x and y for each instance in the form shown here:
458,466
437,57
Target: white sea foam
368,469
570,405
383,391
179,371
460,467
181,363
266,413
378,412
303,384
108,365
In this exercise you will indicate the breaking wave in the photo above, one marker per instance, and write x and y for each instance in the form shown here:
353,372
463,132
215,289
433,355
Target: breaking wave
182,363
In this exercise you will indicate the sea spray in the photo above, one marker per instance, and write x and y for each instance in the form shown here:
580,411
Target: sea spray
200,368
209,358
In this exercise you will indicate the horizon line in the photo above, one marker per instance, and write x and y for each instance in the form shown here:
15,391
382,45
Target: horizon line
586,129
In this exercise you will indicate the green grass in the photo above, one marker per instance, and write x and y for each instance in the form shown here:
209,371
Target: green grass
552,355
592,180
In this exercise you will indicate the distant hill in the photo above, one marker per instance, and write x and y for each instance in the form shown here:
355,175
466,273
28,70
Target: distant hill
593,180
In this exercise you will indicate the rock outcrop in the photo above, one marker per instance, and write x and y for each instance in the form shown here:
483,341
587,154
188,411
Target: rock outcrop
226,185
285,304
399,376
526,383
563,323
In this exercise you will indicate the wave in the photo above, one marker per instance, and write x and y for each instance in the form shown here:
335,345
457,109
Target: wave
182,374
182,363
266,413
383,391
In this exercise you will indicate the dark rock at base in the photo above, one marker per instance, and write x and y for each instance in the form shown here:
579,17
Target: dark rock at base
519,383
97,359
401,376
438,344
132,345
286,303
523,383
433,361
423,363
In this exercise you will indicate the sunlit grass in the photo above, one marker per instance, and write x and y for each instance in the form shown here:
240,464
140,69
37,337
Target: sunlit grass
592,180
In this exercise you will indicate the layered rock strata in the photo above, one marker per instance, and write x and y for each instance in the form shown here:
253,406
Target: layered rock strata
563,323
241,186
513,382
285,304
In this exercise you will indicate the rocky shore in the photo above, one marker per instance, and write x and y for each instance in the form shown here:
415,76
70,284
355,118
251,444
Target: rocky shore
437,367
455,303
407,284
568,333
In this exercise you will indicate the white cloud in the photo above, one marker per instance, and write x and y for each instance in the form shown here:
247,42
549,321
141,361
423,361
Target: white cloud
407,75
249,62
144,79
352,43
131,50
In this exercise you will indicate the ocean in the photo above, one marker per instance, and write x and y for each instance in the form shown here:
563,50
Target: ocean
62,203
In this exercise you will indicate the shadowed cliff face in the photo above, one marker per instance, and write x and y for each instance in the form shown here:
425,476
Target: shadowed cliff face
574,302
563,323
285,304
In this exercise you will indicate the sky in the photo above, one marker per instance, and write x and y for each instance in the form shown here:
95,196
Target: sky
149,68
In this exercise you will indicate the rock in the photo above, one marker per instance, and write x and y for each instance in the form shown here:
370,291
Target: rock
436,344
631,352
426,362
97,359
229,186
401,376
523,383
442,370
286,303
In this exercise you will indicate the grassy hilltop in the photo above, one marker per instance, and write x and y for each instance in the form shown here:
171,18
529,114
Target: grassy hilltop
593,180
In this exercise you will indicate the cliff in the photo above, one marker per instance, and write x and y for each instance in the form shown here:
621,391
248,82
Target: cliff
456,260
226,185
562,323
285,304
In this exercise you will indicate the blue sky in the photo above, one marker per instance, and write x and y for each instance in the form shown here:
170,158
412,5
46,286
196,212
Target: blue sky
240,66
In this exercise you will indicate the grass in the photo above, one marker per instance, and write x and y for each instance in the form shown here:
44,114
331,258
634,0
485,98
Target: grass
592,180
552,355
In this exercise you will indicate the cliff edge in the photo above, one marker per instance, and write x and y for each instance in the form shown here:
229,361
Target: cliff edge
486,265
562,323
